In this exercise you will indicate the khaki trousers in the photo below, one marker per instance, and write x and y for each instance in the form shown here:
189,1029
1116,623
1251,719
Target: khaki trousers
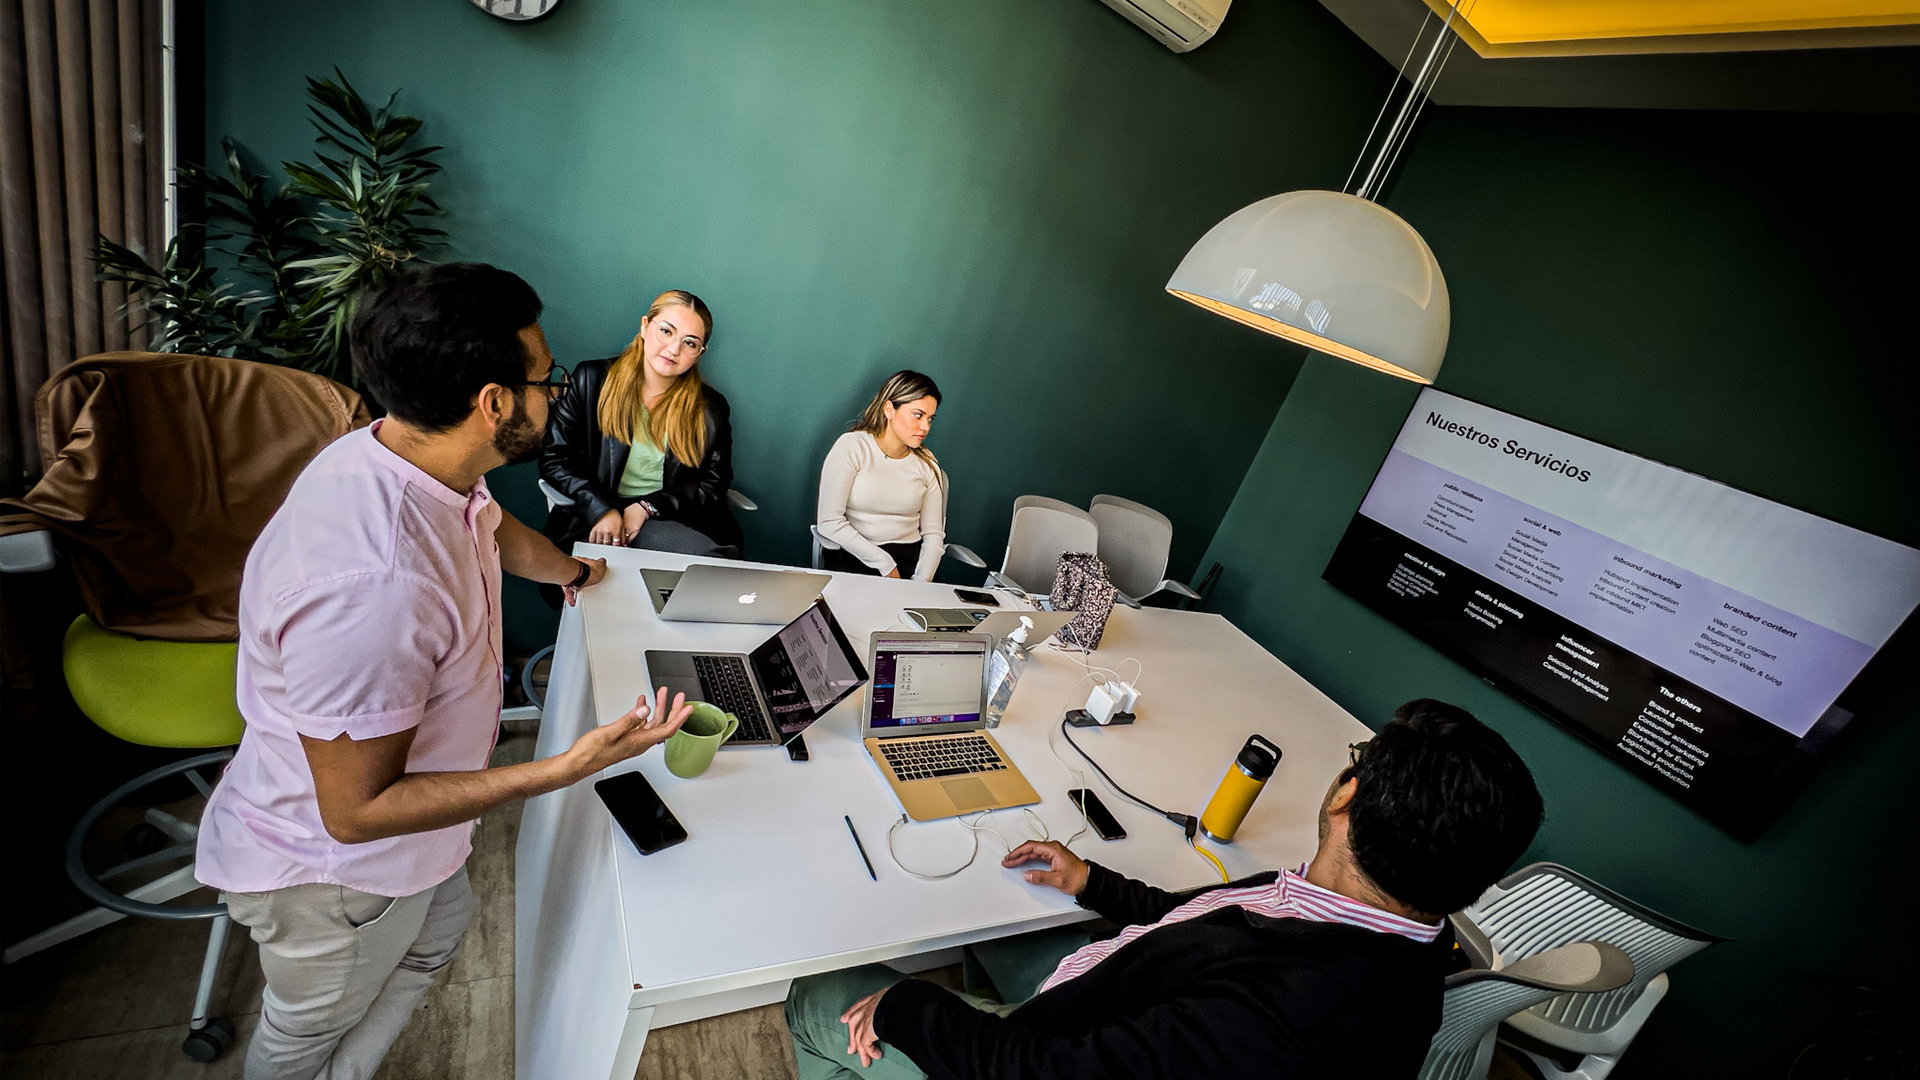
345,970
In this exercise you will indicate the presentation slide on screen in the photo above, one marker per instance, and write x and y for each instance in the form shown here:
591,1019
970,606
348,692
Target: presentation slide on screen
1681,621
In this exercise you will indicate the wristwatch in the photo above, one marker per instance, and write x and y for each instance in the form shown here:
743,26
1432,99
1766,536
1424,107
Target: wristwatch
579,579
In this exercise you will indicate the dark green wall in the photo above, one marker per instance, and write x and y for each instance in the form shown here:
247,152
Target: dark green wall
1715,291
993,192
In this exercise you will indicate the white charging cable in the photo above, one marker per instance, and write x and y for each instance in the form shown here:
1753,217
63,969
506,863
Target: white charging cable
974,829
895,855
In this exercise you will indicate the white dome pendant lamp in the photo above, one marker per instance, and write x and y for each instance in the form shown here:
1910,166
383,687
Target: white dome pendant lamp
1336,272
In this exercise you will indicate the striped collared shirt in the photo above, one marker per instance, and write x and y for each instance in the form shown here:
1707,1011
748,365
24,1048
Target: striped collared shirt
1290,896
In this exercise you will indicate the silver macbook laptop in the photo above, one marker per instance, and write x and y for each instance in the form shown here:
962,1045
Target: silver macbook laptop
780,688
923,727
704,592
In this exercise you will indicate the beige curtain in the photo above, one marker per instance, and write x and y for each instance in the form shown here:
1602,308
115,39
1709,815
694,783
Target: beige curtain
81,153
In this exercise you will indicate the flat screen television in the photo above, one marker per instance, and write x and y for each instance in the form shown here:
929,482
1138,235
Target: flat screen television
1703,636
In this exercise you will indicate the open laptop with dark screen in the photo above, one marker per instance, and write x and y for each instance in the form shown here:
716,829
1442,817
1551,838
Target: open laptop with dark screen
780,688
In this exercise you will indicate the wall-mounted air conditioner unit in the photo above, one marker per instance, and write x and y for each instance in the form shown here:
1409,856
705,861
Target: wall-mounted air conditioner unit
1180,25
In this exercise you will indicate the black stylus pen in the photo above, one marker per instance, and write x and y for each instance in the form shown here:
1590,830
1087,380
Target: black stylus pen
863,848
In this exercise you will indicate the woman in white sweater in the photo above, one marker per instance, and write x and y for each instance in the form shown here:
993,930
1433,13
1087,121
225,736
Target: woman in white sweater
883,496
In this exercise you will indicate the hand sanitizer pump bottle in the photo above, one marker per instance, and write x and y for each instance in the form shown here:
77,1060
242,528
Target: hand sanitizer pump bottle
1004,665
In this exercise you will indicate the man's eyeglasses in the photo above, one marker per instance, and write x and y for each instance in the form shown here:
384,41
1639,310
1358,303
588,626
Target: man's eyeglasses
558,379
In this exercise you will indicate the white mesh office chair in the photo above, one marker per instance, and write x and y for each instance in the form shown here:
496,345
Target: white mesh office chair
1134,542
1043,530
1478,998
1542,906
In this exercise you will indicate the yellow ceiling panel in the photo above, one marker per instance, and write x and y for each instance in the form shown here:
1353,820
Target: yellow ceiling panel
1522,27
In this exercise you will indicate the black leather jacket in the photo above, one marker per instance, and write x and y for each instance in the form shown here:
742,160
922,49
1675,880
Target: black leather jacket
585,465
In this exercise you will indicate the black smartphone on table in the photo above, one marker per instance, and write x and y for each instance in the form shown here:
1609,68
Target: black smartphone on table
1102,819
975,596
640,813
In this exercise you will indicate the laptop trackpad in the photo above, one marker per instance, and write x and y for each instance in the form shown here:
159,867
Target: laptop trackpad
968,794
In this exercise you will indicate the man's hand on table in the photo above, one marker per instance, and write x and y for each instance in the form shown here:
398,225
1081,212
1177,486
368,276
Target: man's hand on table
1065,870
648,724
859,1020
595,576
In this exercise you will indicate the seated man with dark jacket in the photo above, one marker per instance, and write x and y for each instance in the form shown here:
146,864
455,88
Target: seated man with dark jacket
1331,970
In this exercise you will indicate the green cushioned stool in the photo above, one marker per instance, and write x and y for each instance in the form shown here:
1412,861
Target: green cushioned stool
155,693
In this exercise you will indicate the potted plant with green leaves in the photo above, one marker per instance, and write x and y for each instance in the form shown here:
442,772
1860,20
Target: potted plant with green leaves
307,249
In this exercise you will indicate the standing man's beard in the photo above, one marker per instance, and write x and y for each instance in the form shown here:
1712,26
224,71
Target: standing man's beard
518,440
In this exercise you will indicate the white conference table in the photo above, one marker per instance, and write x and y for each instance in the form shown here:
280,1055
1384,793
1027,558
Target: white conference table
769,887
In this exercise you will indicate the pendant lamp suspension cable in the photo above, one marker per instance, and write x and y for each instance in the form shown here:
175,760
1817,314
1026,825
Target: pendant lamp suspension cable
1412,104
1426,96
1388,102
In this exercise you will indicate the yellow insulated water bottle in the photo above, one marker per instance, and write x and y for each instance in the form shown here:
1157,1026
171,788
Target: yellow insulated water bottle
1242,784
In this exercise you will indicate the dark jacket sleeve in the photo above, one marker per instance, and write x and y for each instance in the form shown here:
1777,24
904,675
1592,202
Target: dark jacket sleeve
1122,900
1225,994
1220,1030
691,493
567,451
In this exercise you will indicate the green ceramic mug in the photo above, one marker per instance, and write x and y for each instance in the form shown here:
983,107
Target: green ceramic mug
690,750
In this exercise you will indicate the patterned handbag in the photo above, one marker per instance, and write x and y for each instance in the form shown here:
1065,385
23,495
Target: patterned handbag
1080,584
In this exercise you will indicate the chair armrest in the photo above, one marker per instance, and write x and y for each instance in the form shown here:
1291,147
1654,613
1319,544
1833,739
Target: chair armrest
1126,600
1473,942
741,501
1178,588
1582,967
554,498
965,554
26,552
996,579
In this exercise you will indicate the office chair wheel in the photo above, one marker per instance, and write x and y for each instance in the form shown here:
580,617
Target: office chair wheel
144,839
206,1044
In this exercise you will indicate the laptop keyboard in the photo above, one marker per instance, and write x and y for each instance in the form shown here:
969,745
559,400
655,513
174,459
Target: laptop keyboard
918,759
724,682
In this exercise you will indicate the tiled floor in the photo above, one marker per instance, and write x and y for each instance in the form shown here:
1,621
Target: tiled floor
113,1004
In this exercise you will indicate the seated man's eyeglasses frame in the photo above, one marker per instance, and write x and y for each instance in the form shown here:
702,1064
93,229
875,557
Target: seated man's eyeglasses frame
558,379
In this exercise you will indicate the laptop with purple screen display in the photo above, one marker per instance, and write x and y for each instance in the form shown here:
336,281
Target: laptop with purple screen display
924,728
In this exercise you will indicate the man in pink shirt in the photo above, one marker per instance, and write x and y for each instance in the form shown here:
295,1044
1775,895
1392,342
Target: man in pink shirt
370,676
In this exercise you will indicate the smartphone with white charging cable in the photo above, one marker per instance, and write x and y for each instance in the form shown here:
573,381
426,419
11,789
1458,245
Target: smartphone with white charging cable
1105,825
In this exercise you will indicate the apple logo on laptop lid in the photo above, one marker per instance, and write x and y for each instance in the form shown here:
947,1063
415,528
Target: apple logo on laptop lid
748,598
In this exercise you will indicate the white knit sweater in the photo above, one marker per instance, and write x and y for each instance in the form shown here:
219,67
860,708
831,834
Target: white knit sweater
868,499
